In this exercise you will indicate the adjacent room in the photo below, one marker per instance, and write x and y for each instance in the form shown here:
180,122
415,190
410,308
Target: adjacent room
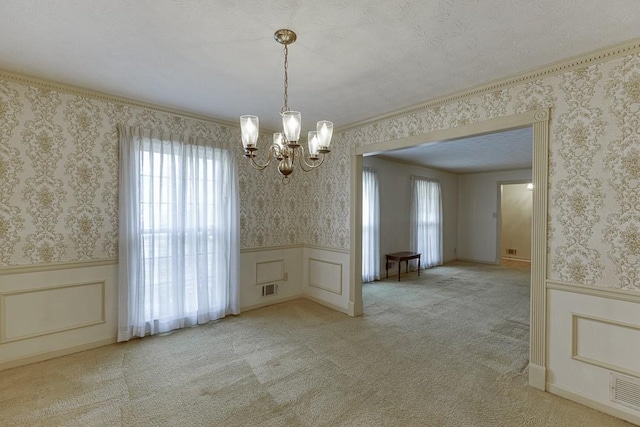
200,203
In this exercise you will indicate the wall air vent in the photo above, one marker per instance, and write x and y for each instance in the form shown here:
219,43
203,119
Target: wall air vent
625,391
268,290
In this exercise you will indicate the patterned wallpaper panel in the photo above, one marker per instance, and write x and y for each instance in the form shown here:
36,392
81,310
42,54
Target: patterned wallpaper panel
59,168
59,177
594,195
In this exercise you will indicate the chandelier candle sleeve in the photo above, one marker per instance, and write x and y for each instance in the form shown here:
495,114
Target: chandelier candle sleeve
325,132
277,140
313,144
291,122
250,127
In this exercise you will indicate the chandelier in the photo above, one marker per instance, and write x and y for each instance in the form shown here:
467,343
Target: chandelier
286,147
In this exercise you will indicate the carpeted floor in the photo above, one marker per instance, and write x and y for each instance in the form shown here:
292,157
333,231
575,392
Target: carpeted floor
446,349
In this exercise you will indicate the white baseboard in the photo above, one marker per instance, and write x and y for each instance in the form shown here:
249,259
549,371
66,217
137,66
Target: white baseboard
46,355
328,305
476,261
537,376
270,301
606,407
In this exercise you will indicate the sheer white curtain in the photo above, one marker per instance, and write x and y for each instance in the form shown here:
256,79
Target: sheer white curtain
179,233
370,226
426,220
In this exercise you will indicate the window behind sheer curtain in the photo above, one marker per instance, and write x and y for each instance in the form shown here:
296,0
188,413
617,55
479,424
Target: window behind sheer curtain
370,226
178,235
426,220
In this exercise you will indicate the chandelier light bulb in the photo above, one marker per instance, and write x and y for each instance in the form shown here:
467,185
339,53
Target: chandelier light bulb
325,132
291,122
313,144
249,127
277,139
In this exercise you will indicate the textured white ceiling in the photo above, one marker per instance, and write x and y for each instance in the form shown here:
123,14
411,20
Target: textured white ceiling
508,150
354,59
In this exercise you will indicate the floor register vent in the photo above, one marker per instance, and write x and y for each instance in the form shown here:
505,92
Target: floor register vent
625,391
268,290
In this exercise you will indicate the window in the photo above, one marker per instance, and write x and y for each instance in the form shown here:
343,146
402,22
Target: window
178,233
426,220
370,226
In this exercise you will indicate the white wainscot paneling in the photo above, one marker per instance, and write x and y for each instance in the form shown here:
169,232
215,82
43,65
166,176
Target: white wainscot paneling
326,277
589,338
35,312
270,271
46,313
281,266
605,343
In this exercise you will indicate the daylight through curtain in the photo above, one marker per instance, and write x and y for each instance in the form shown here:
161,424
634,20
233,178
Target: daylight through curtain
370,226
179,233
426,220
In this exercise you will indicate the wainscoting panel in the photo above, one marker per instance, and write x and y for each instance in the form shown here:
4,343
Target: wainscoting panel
270,271
326,277
589,338
47,313
281,266
604,343
35,312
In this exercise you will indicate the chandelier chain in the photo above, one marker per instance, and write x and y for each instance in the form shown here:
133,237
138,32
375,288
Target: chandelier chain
286,79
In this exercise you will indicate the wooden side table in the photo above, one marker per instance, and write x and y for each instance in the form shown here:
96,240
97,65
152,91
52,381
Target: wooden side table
402,256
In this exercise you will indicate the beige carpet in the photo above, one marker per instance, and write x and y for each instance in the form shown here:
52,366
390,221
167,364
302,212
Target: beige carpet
449,349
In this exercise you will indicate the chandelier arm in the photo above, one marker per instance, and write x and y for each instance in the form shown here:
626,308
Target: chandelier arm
259,166
302,161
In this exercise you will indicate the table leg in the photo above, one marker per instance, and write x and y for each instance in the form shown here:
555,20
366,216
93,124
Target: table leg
418,265
399,266
387,267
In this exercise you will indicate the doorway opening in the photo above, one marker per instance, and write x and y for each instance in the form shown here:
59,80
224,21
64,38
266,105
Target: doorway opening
538,120
515,211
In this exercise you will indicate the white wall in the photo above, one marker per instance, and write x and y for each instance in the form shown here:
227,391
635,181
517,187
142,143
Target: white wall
395,203
477,213
279,266
46,313
515,218
49,311
591,337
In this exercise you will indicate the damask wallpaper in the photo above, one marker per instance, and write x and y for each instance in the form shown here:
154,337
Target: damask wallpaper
594,194
59,177
59,169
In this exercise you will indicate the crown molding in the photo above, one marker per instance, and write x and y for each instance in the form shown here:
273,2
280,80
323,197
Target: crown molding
590,58
102,96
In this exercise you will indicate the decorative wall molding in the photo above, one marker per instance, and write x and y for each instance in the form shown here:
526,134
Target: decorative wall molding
328,249
269,271
37,268
271,248
575,344
293,246
617,294
578,61
315,280
88,93
5,320
539,237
